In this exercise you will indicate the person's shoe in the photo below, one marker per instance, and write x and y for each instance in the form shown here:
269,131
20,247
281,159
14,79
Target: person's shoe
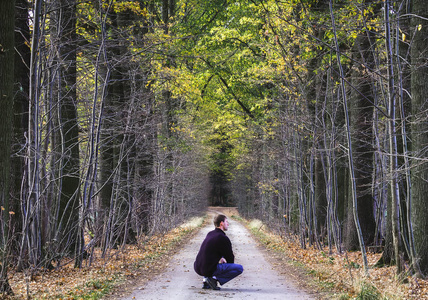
212,283
206,286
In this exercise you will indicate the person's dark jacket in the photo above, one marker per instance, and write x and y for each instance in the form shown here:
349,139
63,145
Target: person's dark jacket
215,246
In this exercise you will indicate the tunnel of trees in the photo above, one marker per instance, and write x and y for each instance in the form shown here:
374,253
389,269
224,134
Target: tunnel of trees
124,118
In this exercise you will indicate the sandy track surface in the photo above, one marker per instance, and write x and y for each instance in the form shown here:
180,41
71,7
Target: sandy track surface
258,281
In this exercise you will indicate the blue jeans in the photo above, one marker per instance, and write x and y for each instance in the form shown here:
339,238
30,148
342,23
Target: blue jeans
226,272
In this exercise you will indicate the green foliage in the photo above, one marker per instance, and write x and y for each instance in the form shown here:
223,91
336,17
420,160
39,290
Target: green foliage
368,292
352,264
344,296
94,289
220,72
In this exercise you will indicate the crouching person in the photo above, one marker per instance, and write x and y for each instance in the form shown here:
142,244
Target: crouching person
215,259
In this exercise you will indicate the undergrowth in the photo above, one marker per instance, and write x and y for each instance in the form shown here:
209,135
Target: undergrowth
368,292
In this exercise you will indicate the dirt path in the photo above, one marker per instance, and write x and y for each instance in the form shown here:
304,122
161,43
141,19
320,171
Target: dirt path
259,280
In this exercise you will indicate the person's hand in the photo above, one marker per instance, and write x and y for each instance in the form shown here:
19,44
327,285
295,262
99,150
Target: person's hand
222,261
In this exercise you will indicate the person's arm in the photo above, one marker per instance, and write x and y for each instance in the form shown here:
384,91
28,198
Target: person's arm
227,252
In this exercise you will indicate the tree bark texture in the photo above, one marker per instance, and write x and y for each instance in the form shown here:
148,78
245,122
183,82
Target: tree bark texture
361,110
419,86
20,107
70,187
7,43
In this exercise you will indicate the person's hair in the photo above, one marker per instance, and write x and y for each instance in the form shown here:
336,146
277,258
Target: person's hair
218,219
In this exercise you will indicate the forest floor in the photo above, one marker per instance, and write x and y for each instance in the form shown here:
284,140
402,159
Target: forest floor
121,273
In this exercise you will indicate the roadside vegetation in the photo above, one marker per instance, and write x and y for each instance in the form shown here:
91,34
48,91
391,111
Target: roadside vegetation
104,276
335,275
339,275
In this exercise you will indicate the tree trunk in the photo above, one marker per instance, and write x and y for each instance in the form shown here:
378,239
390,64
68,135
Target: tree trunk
361,110
116,145
70,196
20,107
64,41
419,91
392,134
354,189
402,51
7,44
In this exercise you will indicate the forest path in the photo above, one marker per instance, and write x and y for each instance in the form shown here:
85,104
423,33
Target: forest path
258,281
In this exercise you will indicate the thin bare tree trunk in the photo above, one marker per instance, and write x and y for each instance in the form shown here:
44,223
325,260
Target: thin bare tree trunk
33,210
403,117
393,163
350,158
